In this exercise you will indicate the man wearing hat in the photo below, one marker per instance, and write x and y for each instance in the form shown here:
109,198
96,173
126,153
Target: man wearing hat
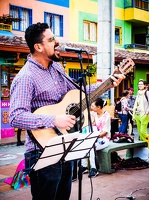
131,101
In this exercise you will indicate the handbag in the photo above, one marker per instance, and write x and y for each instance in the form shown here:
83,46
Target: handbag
21,179
119,138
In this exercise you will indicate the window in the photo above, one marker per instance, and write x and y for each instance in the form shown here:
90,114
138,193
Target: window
141,4
75,73
55,22
128,3
90,31
118,35
24,14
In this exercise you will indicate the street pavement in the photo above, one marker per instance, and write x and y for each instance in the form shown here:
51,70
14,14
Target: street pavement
122,183
11,154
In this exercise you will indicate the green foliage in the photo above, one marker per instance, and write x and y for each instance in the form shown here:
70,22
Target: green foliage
92,69
8,19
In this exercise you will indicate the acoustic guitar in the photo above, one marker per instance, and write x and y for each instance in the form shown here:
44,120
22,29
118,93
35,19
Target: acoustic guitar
71,105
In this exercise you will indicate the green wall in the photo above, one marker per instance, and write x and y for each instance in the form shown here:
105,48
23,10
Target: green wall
126,31
126,27
94,0
85,16
140,73
119,3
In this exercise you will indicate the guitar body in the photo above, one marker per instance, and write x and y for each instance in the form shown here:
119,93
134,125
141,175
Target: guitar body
67,106
71,105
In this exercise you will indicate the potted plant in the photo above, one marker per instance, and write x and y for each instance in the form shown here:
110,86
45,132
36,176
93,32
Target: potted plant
91,70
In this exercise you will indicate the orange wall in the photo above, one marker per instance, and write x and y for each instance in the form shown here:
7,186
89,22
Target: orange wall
38,9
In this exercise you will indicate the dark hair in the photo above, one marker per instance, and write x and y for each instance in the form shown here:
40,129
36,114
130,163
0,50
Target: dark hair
100,102
125,93
141,80
33,34
118,98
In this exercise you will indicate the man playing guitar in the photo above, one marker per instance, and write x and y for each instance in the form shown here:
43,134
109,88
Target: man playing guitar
40,83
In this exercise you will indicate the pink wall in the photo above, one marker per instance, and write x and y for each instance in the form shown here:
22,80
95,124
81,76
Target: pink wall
38,9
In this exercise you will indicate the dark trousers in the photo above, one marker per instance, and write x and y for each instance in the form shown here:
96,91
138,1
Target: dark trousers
52,182
75,170
124,124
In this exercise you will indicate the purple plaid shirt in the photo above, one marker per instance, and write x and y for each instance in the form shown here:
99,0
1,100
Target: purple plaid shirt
33,87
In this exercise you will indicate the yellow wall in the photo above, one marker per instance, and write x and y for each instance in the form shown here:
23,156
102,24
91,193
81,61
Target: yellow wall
20,62
137,14
75,65
131,13
77,6
119,13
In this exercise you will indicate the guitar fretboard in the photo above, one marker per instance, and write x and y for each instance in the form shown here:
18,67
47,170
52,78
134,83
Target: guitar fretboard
97,92
94,95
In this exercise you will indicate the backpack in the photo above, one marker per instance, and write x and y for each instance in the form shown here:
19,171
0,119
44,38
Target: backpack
118,106
146,95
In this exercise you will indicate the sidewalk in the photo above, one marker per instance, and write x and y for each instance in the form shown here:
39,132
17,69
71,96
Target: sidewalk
105,186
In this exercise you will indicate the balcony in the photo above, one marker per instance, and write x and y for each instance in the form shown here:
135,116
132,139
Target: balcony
140,4
136,11
137,46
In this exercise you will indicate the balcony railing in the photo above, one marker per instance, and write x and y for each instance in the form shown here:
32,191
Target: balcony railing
5,27
136,46
141,4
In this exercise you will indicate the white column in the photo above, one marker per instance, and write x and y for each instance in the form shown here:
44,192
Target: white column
105,46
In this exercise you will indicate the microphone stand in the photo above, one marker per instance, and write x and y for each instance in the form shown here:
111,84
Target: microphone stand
82,82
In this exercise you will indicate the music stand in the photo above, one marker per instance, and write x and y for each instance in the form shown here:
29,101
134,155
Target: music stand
67,147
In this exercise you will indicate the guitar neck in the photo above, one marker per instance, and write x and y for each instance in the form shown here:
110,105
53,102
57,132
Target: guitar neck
106,85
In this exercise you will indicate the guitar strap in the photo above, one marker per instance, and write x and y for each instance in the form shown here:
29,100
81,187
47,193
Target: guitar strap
34,140
146,95
58,132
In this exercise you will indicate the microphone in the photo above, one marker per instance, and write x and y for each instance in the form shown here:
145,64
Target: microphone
71,49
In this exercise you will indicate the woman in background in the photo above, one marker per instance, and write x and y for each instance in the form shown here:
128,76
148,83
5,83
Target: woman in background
103,123
123,114
141,110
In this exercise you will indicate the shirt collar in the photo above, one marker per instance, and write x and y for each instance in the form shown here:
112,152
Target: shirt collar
30,59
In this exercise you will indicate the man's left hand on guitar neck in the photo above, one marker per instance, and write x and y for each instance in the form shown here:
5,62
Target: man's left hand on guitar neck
117,78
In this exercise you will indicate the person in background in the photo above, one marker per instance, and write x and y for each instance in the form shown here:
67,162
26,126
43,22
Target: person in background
117,101
102,121
131,101
19,142
141,110
41,82
123,114
146,85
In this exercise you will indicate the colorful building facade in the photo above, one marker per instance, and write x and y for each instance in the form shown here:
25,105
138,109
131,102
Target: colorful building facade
75,24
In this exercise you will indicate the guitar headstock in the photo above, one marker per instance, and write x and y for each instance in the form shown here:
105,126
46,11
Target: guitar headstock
125,66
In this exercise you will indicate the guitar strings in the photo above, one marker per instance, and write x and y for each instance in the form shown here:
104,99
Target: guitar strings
105,86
